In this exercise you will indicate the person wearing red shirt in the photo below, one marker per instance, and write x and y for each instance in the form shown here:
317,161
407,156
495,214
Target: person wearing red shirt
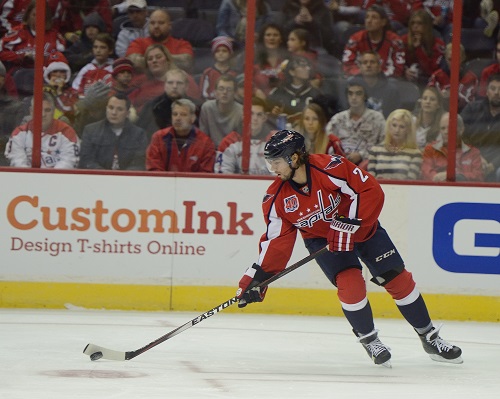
435,156
467,84
376,37
160,26
424,51
181,147
492,69
17,48
333,204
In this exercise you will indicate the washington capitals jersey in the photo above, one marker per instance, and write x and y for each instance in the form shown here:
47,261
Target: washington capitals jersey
334,186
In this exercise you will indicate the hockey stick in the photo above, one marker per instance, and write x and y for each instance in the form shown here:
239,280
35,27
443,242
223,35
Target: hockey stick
97,352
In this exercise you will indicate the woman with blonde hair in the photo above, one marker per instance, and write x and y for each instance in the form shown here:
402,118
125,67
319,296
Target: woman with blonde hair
398,158
312,126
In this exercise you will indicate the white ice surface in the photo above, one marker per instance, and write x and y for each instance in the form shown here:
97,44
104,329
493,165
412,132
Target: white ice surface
234,356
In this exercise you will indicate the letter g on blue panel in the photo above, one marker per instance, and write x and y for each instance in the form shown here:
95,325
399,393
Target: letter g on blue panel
466,238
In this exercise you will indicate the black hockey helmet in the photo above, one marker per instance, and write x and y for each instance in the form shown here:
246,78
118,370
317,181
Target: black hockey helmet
283,144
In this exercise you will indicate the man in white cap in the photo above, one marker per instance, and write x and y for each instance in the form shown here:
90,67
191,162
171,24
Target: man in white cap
136,26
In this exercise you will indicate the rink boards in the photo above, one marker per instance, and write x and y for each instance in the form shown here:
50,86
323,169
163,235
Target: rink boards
182,243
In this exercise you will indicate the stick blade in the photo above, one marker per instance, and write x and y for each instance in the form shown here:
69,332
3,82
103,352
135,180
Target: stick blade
108,354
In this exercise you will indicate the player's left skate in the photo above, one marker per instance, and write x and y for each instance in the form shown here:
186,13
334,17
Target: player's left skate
438,349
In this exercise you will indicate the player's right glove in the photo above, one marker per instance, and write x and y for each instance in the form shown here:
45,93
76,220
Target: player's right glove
248,291
341,235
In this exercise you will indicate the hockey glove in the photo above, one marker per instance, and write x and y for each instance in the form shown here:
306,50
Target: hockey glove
248,291
341,235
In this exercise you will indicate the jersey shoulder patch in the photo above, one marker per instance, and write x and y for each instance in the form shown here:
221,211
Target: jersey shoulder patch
335,161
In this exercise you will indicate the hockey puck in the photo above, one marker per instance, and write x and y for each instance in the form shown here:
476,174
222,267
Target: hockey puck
95,356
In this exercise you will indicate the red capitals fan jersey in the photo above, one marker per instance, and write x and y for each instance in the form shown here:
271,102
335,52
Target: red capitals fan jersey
390,49
334,185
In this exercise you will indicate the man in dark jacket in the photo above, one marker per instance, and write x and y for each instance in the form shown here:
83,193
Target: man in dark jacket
156,114
482,127
114,143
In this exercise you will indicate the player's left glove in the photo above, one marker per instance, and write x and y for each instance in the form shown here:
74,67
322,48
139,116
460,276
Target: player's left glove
341,235
248,291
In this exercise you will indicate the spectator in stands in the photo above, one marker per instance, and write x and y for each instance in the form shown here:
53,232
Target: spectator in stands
270,52
134,28
156,114
468,80
346,13
423,49
488,20
12,13
489,70
298,44
358,128
316,18
159,29
123,75
482,127
114,143
441,12
100,68
232,19
296,91
71,15
222,115
383,94
428,111
11,113
56,75
92,106
376,36
17,48
8,84
398,158
312,125
229,153
222,50
151,84
79,53
181,147
59,147
239,94
435,156
398,11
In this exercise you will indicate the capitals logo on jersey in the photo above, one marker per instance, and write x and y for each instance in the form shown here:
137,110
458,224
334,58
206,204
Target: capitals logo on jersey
334,162
267,197
291,203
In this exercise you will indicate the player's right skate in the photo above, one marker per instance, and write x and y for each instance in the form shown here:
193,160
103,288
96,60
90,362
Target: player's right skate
438,349
377,351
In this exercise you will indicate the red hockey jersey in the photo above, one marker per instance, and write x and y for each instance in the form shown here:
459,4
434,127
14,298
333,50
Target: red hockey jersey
334,185
390,49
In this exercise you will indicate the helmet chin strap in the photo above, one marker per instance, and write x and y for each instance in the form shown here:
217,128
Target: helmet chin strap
289,161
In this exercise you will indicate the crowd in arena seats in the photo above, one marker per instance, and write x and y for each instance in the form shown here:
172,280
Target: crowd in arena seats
365,79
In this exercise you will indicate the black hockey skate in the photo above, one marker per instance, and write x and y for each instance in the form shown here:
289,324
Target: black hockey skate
438,349
377,351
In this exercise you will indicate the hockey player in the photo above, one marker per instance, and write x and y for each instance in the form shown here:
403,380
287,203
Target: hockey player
333,202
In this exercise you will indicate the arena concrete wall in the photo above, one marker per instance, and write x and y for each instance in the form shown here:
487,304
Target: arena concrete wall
168,242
